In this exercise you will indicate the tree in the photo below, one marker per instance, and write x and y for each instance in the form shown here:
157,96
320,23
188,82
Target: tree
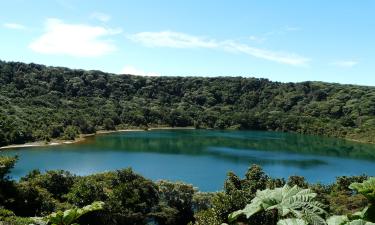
70,133
177,196
6,164
86,190
131,199
108,124
32,200
56,182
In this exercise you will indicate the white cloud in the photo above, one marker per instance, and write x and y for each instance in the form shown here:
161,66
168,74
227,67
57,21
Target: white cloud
345,63
292,28
257,39
14,26
180,40
280,57
172,40
134,71
74,39
101,16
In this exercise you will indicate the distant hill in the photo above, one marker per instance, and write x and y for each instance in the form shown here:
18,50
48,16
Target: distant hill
41,103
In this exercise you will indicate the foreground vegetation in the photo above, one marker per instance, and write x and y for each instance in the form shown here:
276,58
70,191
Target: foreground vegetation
123,197
43,103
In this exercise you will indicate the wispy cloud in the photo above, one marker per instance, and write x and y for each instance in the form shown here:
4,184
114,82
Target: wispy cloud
14,26
280,57
345,63
78,40
181,40
100,16
134,71
257,39
172,40
292,28
282,31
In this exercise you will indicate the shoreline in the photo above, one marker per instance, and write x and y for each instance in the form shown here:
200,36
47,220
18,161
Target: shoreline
83,137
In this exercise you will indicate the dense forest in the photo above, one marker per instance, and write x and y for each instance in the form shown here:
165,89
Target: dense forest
44,103
123,197
39,103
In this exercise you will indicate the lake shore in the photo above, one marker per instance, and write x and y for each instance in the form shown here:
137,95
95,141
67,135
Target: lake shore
83,137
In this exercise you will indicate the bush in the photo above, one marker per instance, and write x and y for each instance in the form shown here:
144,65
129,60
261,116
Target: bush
56,182
87,190
32,200
178,196
6,164
70,133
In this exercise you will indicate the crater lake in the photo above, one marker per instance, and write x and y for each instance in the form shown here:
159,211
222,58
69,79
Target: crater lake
202,157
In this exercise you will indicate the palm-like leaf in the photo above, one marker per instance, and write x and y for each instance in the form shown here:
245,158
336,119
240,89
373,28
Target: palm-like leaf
287,200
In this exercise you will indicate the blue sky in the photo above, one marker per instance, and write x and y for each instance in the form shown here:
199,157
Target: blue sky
290,40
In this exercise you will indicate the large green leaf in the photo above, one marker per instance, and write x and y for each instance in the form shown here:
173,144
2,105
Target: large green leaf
359,222
68,217
337,220
292,221
287,201
367,188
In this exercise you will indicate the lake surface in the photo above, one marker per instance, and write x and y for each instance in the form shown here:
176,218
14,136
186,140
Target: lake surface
203,157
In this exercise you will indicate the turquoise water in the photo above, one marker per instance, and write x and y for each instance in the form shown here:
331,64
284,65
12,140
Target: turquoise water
203,157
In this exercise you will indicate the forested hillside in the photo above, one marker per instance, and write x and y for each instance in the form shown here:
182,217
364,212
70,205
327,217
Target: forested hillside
40,103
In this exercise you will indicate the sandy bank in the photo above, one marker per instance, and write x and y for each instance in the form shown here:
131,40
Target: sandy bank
84,136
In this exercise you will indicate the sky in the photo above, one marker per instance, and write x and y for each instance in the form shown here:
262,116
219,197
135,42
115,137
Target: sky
287,41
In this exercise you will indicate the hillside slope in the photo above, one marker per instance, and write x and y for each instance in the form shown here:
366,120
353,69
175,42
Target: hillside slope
40,103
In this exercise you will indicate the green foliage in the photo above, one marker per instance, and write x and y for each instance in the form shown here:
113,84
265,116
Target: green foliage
344,182
8,217
56,182
69,217
40,103
202,201
32,200
367,188
344,220
207,217
359,222
130,199
7,190
87,190
292,221
286,201
179,197
337,220
108,124
70,133
237,193
297,180
6,164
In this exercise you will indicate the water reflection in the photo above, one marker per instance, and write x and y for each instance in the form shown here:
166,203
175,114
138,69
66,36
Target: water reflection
203,157
198,141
